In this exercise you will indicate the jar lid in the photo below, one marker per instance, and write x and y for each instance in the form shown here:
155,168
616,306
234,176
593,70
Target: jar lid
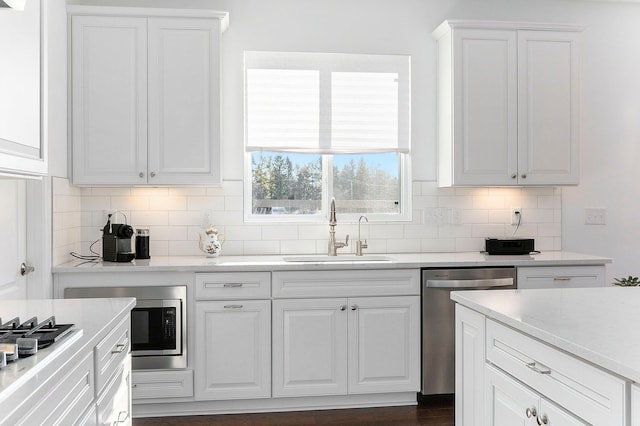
142,231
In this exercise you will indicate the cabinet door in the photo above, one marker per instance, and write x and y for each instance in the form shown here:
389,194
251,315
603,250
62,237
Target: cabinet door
184,101
552,415
508,403
109,85
384,344
232,350
114,404
548,107
470,334
309,347
484,107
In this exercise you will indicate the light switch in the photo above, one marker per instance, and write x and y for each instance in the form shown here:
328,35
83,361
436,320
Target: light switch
594,216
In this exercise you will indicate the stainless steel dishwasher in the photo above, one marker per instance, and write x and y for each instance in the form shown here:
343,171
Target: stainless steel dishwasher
438,319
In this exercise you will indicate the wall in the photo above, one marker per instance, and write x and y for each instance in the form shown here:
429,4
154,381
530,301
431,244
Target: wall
610,129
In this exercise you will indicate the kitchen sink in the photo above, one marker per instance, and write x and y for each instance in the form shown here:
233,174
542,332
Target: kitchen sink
321,258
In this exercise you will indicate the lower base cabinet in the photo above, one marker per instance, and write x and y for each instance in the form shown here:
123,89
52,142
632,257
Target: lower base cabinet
114,405
232,352
338,346
510,403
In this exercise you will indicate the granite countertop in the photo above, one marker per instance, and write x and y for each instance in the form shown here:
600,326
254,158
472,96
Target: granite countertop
274,263
93,319
596,324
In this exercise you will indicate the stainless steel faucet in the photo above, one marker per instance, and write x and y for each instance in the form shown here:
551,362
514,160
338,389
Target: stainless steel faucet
360,244
333,245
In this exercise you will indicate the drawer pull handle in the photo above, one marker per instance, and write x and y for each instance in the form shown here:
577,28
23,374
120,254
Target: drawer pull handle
542,420
532,366
122,419
562,278
119,348
531,413
232,285
233,306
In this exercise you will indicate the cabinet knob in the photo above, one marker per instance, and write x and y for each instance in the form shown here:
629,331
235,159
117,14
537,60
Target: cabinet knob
354,307
343,307
141,174
531,413
513,176
523,176
152,174
542,420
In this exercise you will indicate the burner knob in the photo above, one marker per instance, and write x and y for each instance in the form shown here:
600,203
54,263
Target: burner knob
27,346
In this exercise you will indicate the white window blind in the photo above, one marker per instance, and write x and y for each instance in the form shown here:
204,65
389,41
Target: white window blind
327,103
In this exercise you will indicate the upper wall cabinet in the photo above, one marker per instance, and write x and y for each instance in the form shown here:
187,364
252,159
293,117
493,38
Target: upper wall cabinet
508,103
23,83
145,95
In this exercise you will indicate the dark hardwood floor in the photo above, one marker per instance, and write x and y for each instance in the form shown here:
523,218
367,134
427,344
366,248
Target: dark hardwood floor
432,411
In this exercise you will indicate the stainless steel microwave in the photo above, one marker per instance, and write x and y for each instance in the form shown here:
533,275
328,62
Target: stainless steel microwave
158,323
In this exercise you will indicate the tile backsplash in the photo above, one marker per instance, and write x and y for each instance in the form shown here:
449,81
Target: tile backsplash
444,220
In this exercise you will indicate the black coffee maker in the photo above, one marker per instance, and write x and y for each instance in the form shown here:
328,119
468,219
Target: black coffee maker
116,242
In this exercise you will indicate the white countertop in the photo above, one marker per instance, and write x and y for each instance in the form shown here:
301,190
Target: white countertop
599,325
272,263
93,319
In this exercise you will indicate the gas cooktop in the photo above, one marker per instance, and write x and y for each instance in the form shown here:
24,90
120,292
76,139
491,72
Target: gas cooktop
24,339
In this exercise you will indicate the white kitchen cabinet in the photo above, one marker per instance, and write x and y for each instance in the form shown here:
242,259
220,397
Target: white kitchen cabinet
145,96
597,396
114,404
635,405
508,104
343,346
470,335
561,276
232,350
24,96
511,403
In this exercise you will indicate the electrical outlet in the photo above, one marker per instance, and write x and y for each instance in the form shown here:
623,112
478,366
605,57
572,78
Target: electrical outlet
516,215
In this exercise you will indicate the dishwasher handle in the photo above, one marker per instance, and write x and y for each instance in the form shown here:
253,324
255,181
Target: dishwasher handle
483,283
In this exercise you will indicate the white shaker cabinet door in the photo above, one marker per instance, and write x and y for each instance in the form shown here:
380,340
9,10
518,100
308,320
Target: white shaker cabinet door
470,355
508,403
184,101
548,107
109,97
309,347
232,350
384,344
485,107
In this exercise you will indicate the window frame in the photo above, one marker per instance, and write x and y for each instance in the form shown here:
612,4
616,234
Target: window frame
342,62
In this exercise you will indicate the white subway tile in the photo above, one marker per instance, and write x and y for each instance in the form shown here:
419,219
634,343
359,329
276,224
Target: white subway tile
456,202
549,230
158,248
420,231
453,231
234,203
130,203
205,203
233,248
148,218
425,202
549,202
168,233
499,216
142,191
475,192
538,215
544,244
184,248
246,232
469,244
474,216
297,246
185,218
386,231
416,188
489,202
396,245
187,191
168,203
261,247
488,230
313,232
280,232
436,245
110,191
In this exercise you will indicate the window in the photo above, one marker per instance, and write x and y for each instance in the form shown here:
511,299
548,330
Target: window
321,125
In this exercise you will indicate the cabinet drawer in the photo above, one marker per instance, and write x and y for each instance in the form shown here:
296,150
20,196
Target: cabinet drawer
346,283
233,285
162,384
111,352
593,394
67,402
561,277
